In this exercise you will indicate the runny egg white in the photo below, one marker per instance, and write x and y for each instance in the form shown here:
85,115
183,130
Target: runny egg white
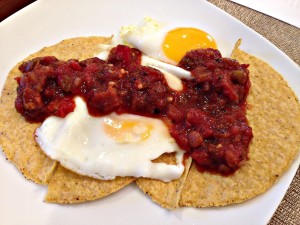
163,42
109,146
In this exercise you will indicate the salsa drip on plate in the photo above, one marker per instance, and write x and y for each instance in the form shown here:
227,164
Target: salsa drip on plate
207,118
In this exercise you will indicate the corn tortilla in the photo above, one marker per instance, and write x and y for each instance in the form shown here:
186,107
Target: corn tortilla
274,115
68,187
165,194
17,135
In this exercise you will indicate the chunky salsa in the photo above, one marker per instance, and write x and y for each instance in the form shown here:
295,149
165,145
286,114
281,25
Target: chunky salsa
207,118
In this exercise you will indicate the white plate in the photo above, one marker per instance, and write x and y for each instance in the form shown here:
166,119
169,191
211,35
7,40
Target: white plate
47,22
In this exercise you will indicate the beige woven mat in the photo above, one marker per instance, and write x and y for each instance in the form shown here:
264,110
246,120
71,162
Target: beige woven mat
287,38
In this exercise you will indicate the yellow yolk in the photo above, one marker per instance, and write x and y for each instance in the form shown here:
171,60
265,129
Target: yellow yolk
127,131
180,40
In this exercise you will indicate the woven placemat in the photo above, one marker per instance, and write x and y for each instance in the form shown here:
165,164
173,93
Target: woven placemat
287,38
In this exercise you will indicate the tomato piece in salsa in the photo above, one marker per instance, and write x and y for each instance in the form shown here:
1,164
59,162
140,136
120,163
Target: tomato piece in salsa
207,118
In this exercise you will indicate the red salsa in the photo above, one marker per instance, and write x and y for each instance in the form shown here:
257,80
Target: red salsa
207,118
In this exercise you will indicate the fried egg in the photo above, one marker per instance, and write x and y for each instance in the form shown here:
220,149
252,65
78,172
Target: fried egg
163,42
109,146
125,145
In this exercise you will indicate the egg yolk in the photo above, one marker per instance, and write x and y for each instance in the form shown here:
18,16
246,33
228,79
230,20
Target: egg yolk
127,131
180,40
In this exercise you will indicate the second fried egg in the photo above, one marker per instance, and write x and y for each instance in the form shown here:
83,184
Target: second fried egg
164,43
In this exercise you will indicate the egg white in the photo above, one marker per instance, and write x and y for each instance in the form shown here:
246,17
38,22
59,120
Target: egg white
79,142
148,36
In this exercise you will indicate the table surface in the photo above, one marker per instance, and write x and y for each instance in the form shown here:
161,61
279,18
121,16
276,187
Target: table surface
286,37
